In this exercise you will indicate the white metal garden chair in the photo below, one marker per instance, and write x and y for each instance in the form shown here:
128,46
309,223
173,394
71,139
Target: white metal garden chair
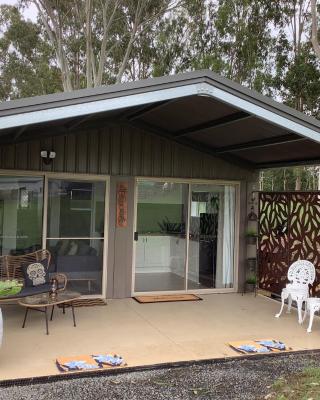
301,274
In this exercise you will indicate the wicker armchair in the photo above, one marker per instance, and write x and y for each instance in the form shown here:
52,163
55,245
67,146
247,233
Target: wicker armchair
11,268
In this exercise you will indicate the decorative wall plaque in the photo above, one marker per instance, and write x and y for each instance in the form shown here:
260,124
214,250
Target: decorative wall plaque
122,204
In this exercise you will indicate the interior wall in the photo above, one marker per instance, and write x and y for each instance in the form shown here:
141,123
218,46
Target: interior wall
123,153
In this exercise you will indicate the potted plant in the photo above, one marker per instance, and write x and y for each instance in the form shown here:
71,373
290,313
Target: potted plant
251,236
251,284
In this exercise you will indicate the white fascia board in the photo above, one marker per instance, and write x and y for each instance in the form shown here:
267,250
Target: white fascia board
208,90
117,103
94,107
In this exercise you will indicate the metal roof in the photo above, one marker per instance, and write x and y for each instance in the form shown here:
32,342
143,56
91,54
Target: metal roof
198,109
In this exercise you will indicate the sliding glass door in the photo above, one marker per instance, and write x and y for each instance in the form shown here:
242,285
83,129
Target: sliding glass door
162,212
64,215
185,236
21,207
75,231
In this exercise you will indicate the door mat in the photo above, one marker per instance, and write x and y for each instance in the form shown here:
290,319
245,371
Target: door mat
85,303
89,362
259,346
166,297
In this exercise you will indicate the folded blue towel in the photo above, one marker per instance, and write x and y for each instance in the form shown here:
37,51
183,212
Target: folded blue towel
252,349
108,359
272,344
80,365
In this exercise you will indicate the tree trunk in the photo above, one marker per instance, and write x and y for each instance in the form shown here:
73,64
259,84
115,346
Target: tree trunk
125,58
46,13
103,49
89,52
314,28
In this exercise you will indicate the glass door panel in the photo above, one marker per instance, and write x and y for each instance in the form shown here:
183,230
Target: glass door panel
21,211
160,253
75,233
211,236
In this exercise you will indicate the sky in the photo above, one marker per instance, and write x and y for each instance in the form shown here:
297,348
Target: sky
29,13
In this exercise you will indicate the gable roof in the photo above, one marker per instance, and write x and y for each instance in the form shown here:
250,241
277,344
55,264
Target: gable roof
199,109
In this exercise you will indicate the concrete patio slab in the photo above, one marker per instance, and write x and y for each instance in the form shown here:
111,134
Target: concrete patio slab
146,334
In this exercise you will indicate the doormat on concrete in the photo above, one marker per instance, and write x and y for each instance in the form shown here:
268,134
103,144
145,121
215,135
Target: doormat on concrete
85,303
89,362
166,297
259,346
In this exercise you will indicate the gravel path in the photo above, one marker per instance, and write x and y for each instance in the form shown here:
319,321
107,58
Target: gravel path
242,379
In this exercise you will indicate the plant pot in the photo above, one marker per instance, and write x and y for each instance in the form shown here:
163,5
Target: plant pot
249,287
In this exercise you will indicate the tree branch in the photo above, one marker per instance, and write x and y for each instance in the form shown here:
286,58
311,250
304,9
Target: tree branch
103,49
135,26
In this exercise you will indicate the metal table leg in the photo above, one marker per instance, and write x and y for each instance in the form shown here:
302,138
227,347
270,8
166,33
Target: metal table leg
46,316
52,313
25,317
74,318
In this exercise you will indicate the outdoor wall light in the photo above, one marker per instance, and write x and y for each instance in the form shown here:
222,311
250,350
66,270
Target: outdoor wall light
47,156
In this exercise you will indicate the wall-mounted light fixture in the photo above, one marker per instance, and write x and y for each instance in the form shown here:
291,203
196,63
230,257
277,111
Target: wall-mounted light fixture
47,156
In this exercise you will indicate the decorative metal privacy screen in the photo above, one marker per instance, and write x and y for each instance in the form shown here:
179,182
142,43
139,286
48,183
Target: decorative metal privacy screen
289,230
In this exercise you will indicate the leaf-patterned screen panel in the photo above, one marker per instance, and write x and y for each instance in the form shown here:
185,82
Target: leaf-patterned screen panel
289,230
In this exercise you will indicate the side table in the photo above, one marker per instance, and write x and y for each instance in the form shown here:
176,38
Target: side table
42,302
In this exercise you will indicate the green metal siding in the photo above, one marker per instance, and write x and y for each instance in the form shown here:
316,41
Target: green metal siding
118,150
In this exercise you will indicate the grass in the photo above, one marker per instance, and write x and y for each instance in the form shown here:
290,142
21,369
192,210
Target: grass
303,386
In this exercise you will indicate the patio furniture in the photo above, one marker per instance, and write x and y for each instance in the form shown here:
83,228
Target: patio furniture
41,302
11,268
301,274
313,305
80,268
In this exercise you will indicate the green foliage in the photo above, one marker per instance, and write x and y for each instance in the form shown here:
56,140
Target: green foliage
299,386
26,60
290,179
251,280
251,233
170,227
10,287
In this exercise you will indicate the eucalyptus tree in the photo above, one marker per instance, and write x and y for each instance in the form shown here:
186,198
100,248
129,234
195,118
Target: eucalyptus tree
231,37
297,69
93,40
27,65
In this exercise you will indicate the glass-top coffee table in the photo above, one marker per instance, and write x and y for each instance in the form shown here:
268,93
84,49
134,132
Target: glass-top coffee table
41,303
